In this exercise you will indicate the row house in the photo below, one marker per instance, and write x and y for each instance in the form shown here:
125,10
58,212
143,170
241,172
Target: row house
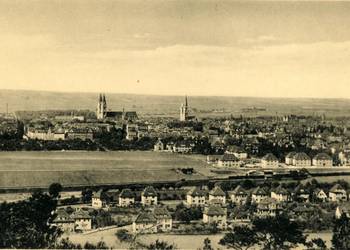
79,220
322,160
299,159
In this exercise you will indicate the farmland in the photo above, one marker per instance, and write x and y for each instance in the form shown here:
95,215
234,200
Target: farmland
76,168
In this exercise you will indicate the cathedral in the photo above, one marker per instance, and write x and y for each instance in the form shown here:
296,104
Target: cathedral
102,113
185,111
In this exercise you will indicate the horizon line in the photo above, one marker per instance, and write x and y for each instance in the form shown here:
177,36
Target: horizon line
172,95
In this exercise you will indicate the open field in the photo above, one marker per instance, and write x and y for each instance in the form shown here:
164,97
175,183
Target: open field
75,168
181,241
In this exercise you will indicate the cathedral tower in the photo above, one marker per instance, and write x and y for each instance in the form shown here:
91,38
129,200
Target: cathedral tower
101,107
184,110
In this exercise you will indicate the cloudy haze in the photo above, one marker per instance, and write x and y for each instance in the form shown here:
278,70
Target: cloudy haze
279,49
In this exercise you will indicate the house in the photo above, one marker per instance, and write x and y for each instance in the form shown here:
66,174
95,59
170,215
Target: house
82,220
149,196
237,152
320,195
322,160
215,214
239,196
213,159
259,194
301,194
217,194
183,147
342,208
159,146
145,222
268,208
80,133
337,193
196,197
113,195
280,194
301,159
131,131
99,199
269,161
64,221
164,219
126,198
289,158
344,158
229,160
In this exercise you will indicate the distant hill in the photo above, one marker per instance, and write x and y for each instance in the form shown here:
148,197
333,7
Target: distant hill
169,105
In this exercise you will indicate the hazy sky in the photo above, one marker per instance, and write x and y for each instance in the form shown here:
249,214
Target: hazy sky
287,49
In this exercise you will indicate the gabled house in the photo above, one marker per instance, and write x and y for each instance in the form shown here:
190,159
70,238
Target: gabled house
320,195
239,196
149,196
280,194
337,193
259,194
215,214
289,158
145,222
268,208
99,199
82,220
217,194
301,194
164,219
196,197
342,208
126,198
64,221
301,159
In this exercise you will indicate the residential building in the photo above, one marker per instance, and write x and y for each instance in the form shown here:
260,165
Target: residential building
269,161
259,194
289,158
342,208
164,219
337,193
301,194
237,152
301,159
215,214
126,198
159,146
218,195
196,197
322,160
145,222
268,208
99,199
149,197
239,196
229,160
64,221
320,195
82,220
280,194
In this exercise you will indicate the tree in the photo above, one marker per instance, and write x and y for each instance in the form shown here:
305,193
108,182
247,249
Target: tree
240,238
279,233
160,245
123,235
28,223
317,244
207,244
341,233
55,189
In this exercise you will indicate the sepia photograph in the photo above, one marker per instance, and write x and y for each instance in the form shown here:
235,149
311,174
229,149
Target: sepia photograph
175,124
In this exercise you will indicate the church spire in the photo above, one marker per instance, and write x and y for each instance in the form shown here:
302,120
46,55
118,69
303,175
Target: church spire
186,104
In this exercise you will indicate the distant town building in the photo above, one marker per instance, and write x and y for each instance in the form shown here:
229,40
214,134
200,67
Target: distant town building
239,196
280,194
269,161
268,208
229,160
322,160
164,219
301,159
99,199
103,113
259,194
144,223
185,112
